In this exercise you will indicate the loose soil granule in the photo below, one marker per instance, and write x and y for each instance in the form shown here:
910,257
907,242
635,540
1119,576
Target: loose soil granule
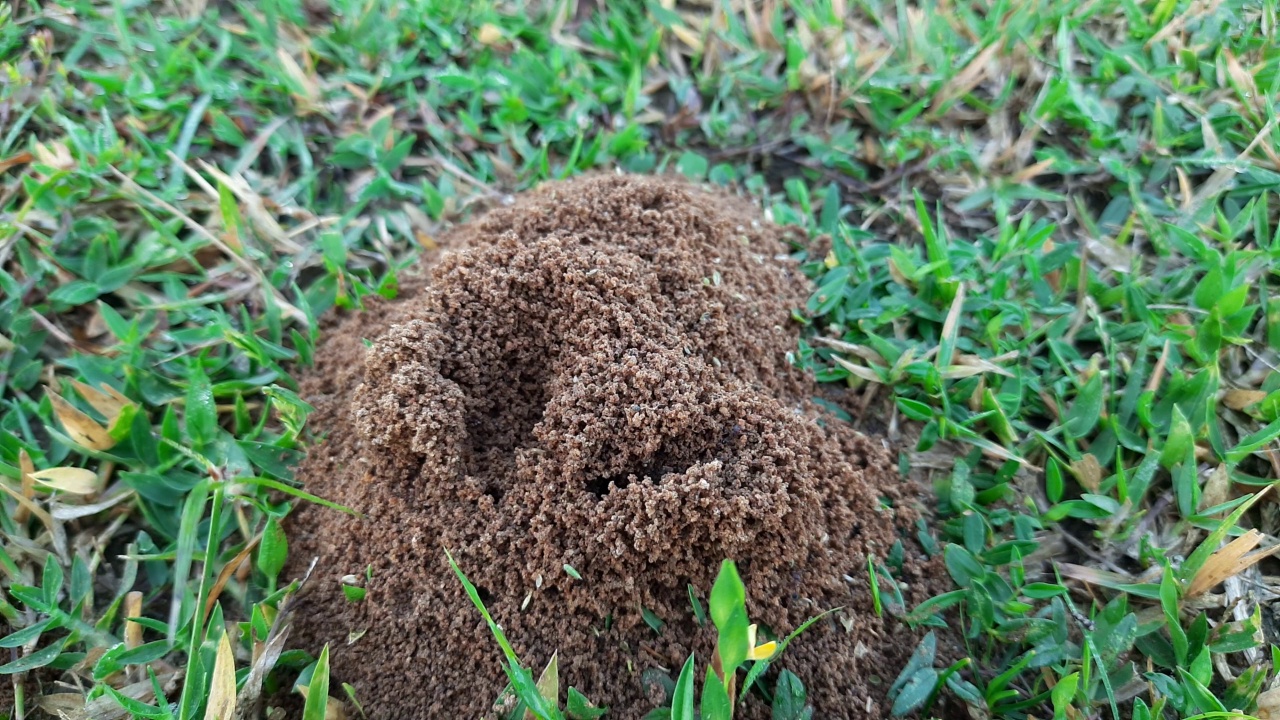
596,377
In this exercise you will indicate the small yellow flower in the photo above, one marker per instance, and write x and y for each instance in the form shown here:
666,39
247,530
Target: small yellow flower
759,652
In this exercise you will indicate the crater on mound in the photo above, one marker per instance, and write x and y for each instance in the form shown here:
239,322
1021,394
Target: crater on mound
595,376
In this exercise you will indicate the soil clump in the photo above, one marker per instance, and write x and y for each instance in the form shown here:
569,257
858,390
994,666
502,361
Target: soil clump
597,377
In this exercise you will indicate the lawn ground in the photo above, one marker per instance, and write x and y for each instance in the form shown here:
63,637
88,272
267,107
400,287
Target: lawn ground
1054,242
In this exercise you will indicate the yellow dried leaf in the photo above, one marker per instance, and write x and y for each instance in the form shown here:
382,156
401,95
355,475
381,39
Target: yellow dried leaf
1088,472
758,652
310,90
84,430
107,401
116,394
857,370
489,34
958,372
981,364
1230,560
73,480
1240,399
688,37
332,711
55,155
1184,187
951,325
897,275
222,692
1268,705
1215,488
549,684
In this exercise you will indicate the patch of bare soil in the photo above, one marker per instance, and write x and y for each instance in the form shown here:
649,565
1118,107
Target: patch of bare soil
595,376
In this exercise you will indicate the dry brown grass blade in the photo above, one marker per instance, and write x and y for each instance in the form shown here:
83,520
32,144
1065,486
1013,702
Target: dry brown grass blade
68,511
252,269
132,609
959,372
1240,399
1031,172
964,81
862,351
1245,81
1158,374
266,657
83,430
1230,560
1197,9
227,571
309,96
25,468
1218,181
1184,187
222,691
857,370
62,705
951,325
253,205
108,708
255,148
12,161
983,364
565,9
1093,576
690,38
133,630
54,528
754,26
30,506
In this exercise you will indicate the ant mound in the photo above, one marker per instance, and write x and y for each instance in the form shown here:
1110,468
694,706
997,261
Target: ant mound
590,404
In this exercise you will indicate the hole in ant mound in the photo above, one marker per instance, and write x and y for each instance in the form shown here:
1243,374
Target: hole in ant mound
495,492
486,597
659,465
855,532
501,416
600,486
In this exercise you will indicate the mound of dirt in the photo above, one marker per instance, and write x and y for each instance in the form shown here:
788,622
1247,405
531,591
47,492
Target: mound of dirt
596,378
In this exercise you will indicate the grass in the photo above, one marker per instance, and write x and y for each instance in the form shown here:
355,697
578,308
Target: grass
1052,228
